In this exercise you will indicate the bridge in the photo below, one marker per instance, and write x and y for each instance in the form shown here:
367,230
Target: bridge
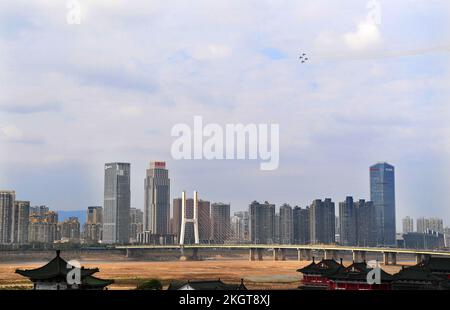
304,252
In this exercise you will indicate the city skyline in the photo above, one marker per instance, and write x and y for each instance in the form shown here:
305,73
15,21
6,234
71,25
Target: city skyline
162,165
369,92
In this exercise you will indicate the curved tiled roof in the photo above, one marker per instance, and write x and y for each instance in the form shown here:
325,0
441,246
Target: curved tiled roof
57,267
358,272
207,285
324,267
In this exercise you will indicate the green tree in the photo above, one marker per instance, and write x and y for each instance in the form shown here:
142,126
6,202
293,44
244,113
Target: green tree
152,284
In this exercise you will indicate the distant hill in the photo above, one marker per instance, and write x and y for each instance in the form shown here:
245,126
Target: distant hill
81,214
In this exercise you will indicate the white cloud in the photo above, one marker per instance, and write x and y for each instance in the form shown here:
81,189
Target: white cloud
367,35
12,134
131,69
212,51
130,110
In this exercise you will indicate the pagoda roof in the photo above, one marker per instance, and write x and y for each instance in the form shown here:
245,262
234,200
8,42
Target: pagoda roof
437,264
325,267
358,272
416,273
207,285
57,267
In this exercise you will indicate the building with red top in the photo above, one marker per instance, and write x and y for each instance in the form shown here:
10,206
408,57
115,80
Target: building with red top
355,277
316,275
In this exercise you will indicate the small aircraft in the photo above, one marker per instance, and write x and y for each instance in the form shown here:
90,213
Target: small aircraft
303,58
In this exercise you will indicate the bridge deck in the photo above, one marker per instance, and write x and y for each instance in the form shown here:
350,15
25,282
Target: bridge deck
286,246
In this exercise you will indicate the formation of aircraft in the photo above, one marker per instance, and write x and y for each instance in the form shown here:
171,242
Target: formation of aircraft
303,58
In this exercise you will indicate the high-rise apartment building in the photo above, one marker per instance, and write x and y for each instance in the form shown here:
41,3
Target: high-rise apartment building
286,224
433,223
408,225
301,223
116,213
322,221
357,222
436,224
276,228
347,222
43,226
69,229
136,223
366,224
20,221
220,222
423,224
157,199
93,226
382,194
7,199
262,222
240,226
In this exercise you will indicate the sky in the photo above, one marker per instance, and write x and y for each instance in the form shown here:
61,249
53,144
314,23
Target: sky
75,96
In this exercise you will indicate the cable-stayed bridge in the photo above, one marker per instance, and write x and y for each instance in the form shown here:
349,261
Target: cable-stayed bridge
304,252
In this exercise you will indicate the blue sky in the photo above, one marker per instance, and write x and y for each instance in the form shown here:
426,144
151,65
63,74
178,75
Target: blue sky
73,97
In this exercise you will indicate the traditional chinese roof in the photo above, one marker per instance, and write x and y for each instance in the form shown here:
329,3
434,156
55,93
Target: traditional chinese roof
56,268
437,264
433,269
358,272
208,285
325,267
417,273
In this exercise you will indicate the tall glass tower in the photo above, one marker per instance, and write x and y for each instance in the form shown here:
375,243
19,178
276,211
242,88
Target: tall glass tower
382,194
157,199
116,213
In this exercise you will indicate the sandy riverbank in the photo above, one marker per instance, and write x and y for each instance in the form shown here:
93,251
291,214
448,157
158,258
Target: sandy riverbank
127,274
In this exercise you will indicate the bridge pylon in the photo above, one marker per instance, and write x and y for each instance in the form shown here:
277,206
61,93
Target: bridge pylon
185,220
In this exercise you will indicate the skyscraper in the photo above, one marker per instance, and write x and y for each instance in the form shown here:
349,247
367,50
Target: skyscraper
7,199
436,224
241,227
262,222
69,229
322,221
94,224
408,225
366,225
43,225
423,224
157,199
357,223
276,228
286,225
433,223
220,222
116,216
20,221
382,194
301,225
347,222
136,223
